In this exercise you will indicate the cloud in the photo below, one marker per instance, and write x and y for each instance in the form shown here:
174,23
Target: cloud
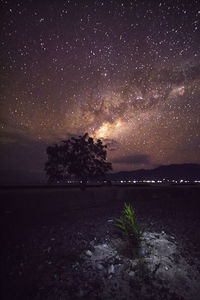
178,76
20,158
112,144
133,159
192,71
21,176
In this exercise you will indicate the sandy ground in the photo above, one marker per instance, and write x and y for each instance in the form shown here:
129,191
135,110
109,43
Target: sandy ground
46,233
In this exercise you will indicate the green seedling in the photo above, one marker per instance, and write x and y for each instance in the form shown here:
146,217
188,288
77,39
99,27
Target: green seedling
130,229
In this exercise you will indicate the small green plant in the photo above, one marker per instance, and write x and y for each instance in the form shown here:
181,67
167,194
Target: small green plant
129,228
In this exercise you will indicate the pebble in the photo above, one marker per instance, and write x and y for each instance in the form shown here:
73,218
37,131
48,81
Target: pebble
88,253
143,251
100,267
111,269
131,273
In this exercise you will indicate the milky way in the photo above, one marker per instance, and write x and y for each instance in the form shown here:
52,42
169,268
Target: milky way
127,72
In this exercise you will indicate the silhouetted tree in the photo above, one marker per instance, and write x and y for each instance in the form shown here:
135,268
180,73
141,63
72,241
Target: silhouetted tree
77,158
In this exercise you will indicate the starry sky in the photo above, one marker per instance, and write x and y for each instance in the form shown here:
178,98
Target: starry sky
127,72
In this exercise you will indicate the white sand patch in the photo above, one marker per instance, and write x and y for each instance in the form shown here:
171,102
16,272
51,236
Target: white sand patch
159,268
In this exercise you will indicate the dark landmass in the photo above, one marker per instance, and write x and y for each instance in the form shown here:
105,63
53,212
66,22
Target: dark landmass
177,172
45,232
188,172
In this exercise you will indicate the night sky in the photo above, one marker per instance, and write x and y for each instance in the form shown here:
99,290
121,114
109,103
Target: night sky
124,71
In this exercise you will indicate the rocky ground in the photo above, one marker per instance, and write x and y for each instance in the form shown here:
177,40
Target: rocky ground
58,250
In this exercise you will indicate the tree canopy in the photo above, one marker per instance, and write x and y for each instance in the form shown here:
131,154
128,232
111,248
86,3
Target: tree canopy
79,158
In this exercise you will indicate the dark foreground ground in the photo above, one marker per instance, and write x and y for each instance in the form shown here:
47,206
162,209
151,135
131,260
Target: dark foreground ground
45,231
